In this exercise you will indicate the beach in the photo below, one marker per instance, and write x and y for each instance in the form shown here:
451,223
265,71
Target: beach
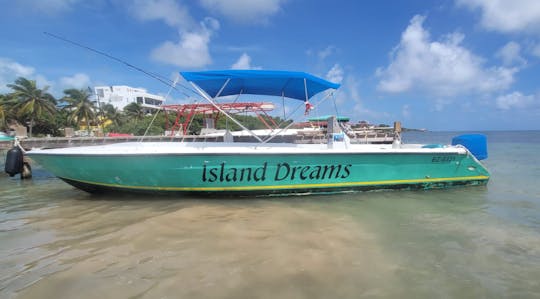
473,242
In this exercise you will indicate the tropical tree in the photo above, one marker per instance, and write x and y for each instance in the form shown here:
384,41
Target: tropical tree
79,106
3,112
135,111
32,102
115,116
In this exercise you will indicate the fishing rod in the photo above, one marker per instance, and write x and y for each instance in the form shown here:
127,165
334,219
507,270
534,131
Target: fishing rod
168,82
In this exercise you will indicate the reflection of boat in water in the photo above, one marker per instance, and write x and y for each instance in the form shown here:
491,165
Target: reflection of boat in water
264,167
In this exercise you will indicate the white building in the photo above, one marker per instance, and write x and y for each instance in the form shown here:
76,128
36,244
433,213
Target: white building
121,96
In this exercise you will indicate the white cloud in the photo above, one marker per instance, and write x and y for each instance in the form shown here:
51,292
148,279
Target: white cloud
507,16
327,52
349,96
49,7
335,74
168,11
8,66
244,63
517,100
441,103
443,68
42,82
78,80
192,51
243,11
10,70
349,92
510,54
374,117
536,50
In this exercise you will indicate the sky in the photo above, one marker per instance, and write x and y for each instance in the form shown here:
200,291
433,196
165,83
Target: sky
467,65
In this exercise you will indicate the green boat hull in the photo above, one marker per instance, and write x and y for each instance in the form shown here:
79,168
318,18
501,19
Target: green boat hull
266,174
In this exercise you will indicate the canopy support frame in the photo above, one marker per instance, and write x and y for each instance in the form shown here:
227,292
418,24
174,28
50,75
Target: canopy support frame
211,101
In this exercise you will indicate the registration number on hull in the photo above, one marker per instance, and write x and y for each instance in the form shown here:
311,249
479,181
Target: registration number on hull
443,159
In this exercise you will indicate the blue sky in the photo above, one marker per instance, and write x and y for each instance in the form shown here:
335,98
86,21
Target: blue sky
440,65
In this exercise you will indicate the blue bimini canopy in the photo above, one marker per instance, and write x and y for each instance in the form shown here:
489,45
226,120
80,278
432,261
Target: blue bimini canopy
275,83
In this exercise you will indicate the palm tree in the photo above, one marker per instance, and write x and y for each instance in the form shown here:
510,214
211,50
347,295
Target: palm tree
31,101
135,111
112,114
81,108
3,112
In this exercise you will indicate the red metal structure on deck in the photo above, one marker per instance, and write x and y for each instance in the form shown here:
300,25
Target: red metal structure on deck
187,111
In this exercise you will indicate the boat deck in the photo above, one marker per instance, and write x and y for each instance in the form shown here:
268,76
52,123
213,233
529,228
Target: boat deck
149,148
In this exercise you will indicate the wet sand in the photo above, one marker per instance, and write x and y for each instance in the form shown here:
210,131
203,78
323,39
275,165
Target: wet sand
477,242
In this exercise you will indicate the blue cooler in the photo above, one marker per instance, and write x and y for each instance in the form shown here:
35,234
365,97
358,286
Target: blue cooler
475,143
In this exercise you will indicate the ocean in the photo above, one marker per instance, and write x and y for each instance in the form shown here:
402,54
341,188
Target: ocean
472,242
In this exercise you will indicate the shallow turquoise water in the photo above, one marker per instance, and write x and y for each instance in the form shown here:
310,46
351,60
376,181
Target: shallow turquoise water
475,242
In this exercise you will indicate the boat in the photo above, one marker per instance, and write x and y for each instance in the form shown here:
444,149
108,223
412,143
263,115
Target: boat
5,137
6,141
266,168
